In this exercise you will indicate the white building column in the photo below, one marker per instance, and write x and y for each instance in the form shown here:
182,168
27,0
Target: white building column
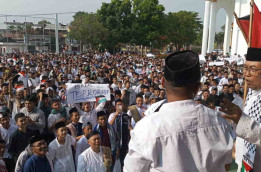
206,27
212,27
227,36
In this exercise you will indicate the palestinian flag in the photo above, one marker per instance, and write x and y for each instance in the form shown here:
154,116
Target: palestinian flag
256,28
243,24
100,99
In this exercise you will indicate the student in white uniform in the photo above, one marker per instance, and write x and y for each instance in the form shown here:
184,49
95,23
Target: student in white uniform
96,158
61,150
182,136
83,144
6,131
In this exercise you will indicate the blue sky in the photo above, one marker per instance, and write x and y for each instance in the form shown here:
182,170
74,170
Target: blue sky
24,7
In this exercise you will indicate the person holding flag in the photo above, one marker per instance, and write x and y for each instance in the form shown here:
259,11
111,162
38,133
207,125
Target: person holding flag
248,130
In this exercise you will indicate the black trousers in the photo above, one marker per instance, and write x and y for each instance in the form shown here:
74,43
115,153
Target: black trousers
123,153
10,164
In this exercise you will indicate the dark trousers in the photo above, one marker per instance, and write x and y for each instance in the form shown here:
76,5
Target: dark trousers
123,153
10,164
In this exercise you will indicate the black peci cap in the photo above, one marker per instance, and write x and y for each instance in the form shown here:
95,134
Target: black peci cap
253,54
182,68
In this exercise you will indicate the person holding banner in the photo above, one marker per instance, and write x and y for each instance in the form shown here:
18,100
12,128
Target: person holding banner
89,114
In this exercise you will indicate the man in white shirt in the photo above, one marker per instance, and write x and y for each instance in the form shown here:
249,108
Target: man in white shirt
87,114
248,129
119,121
182,136
114,84
61,150
82,144
224,80
23,77
135,117
128,94
35,116
6,132
33,81
96,158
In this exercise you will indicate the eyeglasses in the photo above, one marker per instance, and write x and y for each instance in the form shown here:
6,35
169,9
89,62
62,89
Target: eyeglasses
250,70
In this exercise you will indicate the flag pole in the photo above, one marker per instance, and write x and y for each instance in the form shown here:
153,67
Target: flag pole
249,40
251,22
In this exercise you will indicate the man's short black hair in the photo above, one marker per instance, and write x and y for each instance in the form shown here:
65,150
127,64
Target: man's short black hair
54,101
31,98
119,100
19,115
207,83
139,96
2,141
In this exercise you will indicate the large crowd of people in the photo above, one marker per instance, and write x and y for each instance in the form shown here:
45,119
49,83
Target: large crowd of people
41,131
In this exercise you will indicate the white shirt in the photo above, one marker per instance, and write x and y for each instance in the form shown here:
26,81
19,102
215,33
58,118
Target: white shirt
24,79
203,79
223,81
90,116
53,118
33,82
90,161
114,124
114,87
6,134
183,136
61,155
81,146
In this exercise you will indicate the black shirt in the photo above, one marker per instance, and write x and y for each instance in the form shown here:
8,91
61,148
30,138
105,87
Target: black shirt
19,141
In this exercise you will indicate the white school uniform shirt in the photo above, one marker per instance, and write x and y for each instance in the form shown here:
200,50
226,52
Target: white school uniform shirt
90,116
223,81
61,155
81,146
203,79
53,118
183,136
114,87
90,161
24,79
33,82
6,134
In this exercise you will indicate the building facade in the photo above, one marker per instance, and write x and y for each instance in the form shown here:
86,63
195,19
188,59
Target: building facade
234,41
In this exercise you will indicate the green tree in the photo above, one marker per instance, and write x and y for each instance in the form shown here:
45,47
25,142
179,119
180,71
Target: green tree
184,28
149,22
88,30
219,37
20,29
11,29
117,17
44,22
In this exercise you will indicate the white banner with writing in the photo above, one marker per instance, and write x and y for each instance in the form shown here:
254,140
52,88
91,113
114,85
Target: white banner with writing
77,93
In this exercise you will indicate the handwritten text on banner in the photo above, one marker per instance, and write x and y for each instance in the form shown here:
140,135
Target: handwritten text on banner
77,93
